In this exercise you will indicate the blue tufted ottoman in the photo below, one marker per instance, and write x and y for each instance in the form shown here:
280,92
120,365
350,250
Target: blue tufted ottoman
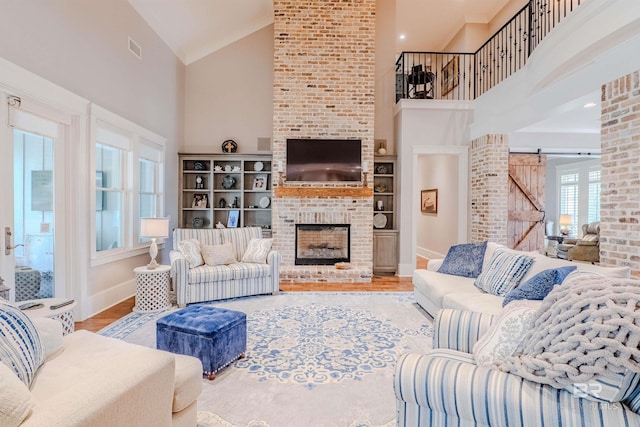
216,336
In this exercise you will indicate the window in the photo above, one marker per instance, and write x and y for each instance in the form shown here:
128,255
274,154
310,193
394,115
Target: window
594,196
579,193
129,163
110,195
569,199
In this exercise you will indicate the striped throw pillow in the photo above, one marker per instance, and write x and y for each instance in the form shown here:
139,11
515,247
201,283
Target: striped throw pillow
505,271
257,251
20,345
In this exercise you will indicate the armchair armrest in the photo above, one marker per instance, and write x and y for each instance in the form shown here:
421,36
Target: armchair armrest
180,276
569,241
459,329
273,259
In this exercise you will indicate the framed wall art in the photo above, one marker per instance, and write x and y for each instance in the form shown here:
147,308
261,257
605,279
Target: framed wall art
450,75
232,221
260,181
429,201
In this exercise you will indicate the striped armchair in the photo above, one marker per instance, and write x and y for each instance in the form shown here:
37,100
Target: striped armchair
210,283
445,387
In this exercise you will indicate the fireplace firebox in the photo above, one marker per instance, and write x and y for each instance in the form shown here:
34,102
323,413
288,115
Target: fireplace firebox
322,244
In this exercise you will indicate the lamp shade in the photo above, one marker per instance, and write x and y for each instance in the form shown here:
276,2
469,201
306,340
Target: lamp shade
154,227
566,219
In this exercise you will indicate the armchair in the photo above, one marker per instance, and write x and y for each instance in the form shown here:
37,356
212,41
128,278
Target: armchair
446,387
587,248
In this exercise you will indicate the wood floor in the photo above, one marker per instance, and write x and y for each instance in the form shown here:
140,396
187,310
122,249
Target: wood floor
378,284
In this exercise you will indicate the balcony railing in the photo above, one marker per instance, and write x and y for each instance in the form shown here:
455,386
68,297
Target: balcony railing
465,76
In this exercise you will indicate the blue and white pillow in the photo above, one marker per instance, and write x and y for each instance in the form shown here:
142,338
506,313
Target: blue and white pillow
539,285
464,260
504,273
20,345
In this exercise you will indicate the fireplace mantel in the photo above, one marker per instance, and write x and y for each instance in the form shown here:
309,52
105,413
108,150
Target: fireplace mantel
325,192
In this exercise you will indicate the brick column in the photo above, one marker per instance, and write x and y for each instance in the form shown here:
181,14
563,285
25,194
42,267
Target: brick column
620,180
489,188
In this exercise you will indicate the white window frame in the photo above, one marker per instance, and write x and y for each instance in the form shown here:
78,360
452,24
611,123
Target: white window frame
582,169
137,142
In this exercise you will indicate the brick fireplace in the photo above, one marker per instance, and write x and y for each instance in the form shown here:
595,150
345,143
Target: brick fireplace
324,80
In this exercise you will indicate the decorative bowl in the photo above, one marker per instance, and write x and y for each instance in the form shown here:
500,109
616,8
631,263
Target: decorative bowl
380,188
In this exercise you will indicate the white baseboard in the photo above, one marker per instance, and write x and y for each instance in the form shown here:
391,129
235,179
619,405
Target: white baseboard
103,300
428,254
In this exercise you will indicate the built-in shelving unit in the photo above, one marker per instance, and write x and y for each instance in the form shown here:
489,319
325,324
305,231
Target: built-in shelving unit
385,233
215,188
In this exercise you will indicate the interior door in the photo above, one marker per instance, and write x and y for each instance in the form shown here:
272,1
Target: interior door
527,176
34,189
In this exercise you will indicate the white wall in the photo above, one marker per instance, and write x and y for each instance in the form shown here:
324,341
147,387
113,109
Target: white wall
426,127
229,95
437,232
82,47
385,74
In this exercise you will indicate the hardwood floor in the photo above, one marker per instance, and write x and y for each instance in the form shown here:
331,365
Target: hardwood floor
378,284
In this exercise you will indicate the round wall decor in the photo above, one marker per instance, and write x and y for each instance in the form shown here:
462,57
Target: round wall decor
229,146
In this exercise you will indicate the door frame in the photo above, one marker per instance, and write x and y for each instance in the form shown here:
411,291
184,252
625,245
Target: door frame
48,99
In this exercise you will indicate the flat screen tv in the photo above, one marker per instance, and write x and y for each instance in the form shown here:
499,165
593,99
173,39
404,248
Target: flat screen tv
322,160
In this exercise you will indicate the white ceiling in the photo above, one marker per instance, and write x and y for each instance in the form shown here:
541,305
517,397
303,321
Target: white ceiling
194,29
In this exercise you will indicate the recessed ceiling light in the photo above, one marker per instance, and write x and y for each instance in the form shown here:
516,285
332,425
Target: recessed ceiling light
590,105
402,37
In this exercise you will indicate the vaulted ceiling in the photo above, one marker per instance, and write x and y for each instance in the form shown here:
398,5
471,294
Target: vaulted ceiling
195,28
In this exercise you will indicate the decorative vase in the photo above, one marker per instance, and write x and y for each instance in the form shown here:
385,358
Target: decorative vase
228,182
380,205
222,203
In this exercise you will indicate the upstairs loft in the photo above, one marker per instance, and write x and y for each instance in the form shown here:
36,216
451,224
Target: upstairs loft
466,76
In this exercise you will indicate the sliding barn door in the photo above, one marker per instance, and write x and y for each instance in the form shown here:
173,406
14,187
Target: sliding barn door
526,201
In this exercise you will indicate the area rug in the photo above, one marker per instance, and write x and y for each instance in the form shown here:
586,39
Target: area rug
313,359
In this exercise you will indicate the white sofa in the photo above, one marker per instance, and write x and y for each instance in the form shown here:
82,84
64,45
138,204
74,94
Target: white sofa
91,380
434,291
210,283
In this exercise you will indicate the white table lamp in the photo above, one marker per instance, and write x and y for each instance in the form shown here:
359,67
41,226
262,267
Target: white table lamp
154,228
566,221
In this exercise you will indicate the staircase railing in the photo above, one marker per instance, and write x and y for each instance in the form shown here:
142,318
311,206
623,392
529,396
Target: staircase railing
465,76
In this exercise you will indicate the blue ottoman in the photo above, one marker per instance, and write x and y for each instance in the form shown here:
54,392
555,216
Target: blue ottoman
216,336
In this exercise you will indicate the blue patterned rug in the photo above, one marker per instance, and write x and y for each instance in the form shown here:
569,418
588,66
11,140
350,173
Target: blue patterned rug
313,359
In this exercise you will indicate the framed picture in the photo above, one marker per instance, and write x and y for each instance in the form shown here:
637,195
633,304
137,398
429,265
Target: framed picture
232,221
200,201
260,181
450,75
429,201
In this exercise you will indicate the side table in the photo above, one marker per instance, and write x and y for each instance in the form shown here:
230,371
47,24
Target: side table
63,314
152,288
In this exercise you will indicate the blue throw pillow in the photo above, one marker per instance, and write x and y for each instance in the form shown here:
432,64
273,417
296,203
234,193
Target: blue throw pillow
506,269
464,260
539,286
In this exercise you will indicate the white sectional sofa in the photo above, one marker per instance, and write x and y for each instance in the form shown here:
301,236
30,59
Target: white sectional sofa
215,282
448,385
434,291
91,380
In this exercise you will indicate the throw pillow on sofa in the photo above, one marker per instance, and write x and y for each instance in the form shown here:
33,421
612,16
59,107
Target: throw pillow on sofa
505,335
190,248
464,260
505,271
218,254
257,251
20,345
16,402
539,285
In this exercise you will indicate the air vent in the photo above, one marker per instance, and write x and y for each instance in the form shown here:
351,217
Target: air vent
135,48
264,144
